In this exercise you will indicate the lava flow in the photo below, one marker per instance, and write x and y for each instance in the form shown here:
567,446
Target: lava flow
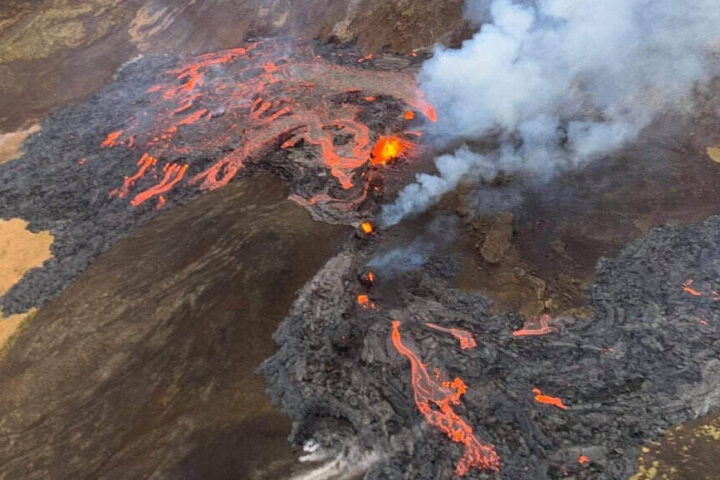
235,106
687,288
533,327
466,339
548,400
434,399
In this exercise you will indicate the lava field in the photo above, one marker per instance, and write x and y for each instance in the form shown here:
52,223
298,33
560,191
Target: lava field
556,397
322,117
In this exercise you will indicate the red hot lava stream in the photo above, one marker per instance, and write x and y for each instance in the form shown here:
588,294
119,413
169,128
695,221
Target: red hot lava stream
250,100
434,399
533,327
466,339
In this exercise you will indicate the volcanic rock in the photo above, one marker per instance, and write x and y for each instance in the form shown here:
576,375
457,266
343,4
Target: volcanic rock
645,360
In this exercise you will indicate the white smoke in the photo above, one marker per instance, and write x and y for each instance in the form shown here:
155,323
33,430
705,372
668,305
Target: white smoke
564,81
350,463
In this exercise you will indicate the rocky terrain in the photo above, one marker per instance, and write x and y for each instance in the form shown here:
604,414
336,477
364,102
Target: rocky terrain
575,402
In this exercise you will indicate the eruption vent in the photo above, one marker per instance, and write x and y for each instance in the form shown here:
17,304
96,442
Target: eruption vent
434,399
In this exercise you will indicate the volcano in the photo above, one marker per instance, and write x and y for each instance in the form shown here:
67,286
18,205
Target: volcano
469,273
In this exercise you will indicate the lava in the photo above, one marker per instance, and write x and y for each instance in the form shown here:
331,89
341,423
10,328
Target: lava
548,400
367,228
533,328
145,162
111,139
434,399
173,173
466,339
583,459
387,149
688,289
409,115
250,100
364,301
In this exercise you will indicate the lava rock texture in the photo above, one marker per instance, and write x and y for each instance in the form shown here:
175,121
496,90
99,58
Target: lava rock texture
646,359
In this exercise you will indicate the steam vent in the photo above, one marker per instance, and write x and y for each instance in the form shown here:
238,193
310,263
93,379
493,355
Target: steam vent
360,239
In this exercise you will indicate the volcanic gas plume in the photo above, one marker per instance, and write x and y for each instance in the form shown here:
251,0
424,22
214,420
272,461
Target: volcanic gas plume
559,83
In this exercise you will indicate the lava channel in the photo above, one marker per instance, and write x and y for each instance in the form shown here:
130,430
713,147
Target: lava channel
466,339
434,399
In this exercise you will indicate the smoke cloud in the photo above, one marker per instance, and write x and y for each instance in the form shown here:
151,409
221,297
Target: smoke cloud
563,81
440,231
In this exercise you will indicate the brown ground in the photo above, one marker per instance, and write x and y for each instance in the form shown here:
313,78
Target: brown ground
20,250
145,365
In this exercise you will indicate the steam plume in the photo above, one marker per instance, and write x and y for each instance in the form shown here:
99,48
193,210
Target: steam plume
563,81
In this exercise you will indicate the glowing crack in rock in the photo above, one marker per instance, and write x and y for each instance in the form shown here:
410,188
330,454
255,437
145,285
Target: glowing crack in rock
466,339
434,399
245,102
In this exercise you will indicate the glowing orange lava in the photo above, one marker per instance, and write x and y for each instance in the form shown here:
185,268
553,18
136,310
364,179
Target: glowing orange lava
533,328
434,399
111,139
173,173
369,277
409,115
583,459
388,148
367,228
548,400
688,289
466,339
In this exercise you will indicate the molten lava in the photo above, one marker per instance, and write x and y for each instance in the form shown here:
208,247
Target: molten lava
466,339
582,460
364,301
434,399
367,228
250,100
111,139
387,149
548,400
409,115
688,289
533,327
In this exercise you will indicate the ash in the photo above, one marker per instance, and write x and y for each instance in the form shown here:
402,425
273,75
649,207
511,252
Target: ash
645,360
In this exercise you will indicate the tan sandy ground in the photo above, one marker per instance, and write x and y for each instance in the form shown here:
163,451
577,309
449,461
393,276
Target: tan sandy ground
10,143
20,250
714,154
